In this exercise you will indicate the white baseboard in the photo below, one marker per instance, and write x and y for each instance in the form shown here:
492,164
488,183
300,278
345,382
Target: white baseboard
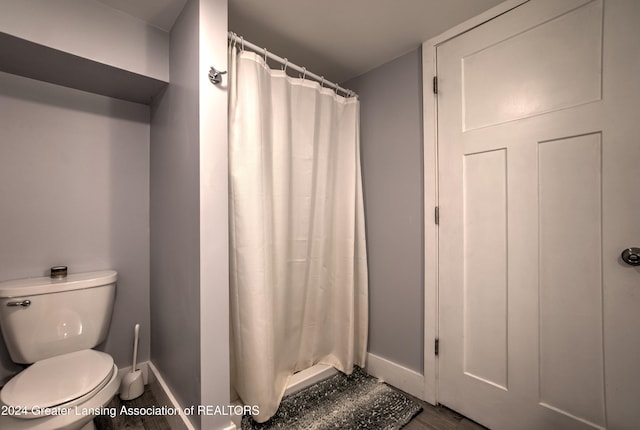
397,375
163,395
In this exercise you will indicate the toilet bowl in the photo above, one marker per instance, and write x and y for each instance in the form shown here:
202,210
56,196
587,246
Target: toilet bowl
53,324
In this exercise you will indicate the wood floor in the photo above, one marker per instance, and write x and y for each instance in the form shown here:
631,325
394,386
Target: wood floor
439,418
132,422
431,417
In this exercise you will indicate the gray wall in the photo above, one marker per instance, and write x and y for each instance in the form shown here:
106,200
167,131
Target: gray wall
175,240
391,139
74,187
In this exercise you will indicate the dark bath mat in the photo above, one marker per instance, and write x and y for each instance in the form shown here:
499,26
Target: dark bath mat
345,402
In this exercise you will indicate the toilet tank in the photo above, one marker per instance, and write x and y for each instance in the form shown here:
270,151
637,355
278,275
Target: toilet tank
45,317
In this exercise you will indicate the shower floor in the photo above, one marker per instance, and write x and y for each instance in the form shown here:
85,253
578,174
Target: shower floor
308,377
299,381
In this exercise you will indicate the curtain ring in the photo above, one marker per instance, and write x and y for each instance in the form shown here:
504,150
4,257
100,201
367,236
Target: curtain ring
322,82
265,55
304,73
242,42
286,63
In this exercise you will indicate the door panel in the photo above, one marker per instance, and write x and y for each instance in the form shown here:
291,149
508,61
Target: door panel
539,318
485,273
501,82
570,277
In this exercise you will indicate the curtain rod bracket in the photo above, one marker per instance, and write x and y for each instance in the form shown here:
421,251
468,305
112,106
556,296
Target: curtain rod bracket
215,76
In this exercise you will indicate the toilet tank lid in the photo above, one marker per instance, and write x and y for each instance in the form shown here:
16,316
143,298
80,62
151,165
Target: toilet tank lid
46,285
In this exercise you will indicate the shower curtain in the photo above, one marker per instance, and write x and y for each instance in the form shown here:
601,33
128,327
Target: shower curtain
297,232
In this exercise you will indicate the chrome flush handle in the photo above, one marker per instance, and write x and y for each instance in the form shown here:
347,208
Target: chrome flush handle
24,303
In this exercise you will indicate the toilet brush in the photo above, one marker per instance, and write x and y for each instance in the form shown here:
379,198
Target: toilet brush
132,385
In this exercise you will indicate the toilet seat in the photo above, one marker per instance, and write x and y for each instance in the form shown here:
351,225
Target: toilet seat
58,382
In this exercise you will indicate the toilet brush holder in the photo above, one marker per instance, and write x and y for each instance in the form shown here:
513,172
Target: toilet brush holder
132,384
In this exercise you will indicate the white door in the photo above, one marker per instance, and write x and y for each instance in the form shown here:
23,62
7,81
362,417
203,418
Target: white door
539,192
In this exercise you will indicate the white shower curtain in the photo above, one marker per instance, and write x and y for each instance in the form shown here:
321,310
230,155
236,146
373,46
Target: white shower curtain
298,250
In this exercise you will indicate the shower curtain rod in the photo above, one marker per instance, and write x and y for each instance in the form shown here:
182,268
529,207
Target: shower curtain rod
233,37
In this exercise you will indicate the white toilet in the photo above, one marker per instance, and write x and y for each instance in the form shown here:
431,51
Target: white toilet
54,323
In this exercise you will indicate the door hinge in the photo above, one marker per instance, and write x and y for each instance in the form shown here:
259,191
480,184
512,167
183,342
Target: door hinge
436,215
435,85
436,346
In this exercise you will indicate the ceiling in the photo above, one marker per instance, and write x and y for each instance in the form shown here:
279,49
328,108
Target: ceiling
159,13
342,39
338,39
